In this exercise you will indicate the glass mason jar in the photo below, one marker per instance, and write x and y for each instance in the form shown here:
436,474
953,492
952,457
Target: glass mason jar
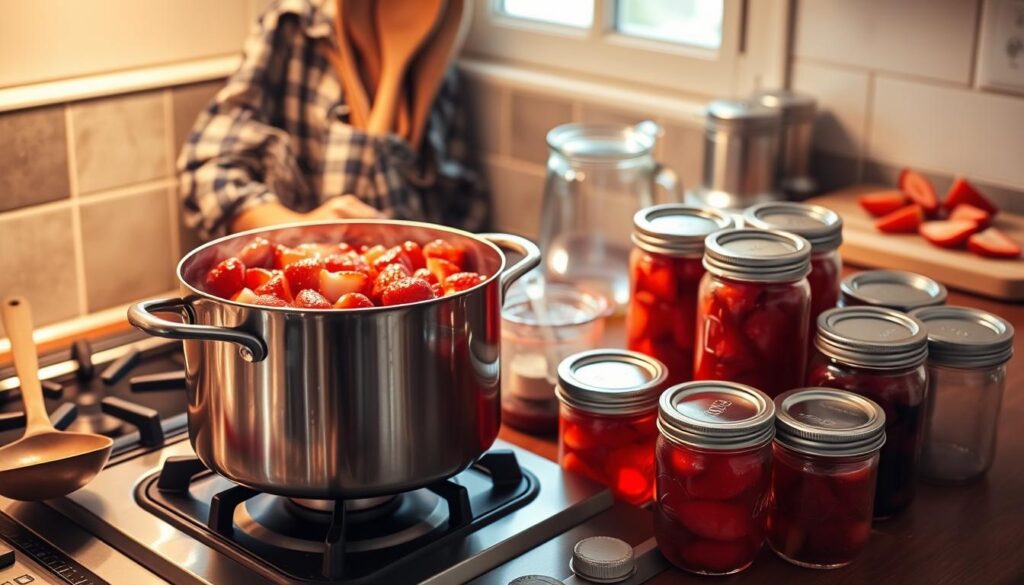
607,430
753,310
823,476
880,354
967,354
823,228
892,289
665,269
714,468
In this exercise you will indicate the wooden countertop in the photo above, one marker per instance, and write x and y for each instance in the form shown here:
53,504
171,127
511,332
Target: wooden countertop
950,535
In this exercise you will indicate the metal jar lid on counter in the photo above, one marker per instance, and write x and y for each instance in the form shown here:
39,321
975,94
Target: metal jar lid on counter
895,289
963,337
610,381
757,255
828,422
716,415
872,337
820,226
676,230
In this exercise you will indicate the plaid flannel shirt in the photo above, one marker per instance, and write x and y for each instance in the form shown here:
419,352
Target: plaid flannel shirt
278,131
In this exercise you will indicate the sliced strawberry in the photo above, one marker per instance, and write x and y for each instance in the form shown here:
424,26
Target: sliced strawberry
445,251
340,261
304,274
414,253
226,278
254,277
276,287
919,189
407,290
285,255
353,301
993,243
441,268
310,299
437,288
882,203
244,296
259,253
391,273
968,212
901,221
334,285
371,254
461,281
715,520
426,275
269,301
947,234
962,192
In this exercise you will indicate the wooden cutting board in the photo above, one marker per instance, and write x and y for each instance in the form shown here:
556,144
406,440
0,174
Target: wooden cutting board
865,246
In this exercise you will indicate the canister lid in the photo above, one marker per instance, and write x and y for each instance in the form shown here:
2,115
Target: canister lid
829,422
820,226
872,337
677,229
903,291
757,255
603,559
742,116
610,381
716,415
966,338
795,107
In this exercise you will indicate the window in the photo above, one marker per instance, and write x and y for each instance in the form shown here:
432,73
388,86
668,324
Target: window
697,46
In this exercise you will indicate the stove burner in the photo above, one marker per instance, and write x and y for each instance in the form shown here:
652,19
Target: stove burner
91,419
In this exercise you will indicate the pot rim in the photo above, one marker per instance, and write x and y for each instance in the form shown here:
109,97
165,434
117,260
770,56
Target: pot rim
332,311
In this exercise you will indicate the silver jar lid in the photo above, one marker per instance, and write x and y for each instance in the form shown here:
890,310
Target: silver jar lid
795,107
610,381
828,422
673,228
872,337
820,226
966,338
716,415
603,559
757,255
744,116
896,289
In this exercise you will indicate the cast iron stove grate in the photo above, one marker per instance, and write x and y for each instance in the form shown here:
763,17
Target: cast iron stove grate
400,539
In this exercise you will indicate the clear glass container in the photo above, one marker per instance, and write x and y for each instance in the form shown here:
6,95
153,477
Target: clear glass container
533,345
823,476
598,176
607,430
968,352
714,468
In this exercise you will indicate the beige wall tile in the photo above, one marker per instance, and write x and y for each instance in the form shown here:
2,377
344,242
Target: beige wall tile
34,155
487,108
931,38
517,195
127,248
956,131
843,96
533,115
119,140
594,114
37,260
682,150
834,171
188,101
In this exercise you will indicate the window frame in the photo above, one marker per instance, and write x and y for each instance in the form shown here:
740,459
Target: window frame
749,56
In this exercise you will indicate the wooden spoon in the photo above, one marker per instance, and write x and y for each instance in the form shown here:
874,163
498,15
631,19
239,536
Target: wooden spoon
432,63
402,27
44,463
344,63
361,28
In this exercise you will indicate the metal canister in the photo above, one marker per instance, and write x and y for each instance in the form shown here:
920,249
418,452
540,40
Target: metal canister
794,165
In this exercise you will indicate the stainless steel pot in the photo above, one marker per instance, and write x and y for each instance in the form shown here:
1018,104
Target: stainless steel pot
342,404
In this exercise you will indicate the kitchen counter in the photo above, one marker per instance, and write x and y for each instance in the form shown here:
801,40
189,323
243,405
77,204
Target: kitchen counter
970,534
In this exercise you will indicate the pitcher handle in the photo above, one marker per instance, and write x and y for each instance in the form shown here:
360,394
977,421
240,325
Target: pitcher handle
529,250
669,182
141,315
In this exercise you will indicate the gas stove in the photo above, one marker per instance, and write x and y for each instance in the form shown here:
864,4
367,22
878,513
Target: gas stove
155,514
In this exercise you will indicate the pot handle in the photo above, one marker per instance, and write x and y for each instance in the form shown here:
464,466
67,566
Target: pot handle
141,315
529,250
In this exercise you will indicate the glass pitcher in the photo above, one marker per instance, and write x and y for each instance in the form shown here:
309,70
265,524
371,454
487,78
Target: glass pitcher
598,177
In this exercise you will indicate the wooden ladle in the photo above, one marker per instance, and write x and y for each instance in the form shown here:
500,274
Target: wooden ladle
430,66
402,28
45,463
359,24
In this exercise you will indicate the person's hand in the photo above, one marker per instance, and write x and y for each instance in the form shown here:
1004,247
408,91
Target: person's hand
271,214
344,207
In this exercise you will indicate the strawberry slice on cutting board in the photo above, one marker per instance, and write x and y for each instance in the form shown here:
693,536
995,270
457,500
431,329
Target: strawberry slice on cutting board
882,203
993,243
964,193
968,212
902,221
919,189
948,233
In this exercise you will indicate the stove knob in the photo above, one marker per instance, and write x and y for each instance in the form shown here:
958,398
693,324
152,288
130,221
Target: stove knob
603,559
535,580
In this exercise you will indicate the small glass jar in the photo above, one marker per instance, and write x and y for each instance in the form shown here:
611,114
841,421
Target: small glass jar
753,310
967,354
714,471
892,289
665,269
879,354
820,226
823,476
607,430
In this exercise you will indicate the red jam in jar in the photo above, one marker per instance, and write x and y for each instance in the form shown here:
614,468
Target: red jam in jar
753,310
823,475
714,469
607,419
665,271
820,226
880,354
